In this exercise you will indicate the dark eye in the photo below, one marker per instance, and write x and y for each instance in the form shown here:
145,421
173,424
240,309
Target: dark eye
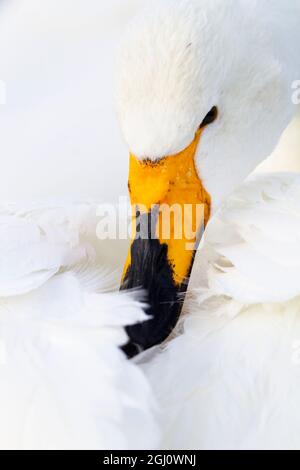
210,117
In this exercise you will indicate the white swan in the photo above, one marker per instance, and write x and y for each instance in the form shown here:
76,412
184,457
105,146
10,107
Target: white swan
64,383
231,379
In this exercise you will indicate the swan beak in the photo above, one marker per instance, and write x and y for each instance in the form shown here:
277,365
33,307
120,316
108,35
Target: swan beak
170,210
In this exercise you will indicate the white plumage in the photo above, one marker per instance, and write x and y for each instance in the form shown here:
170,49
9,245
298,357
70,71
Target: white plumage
64,382
183,57
255,241
232,379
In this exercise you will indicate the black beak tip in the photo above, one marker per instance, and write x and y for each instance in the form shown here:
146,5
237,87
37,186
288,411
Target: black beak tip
151,270
131,350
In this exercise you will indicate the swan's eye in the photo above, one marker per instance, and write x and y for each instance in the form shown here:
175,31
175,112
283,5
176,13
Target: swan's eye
210,117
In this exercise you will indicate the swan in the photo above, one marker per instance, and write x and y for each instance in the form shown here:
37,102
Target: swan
64,381
203,95
198,117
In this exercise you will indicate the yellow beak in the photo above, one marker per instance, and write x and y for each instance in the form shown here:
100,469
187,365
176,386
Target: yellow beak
170,210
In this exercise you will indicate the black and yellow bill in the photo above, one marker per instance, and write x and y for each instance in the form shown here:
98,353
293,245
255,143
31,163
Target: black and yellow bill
170,210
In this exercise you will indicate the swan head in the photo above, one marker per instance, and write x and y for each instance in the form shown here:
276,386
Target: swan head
203,95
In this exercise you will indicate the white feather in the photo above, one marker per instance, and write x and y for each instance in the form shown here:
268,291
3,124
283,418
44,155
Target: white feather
231,380
259,261
64,382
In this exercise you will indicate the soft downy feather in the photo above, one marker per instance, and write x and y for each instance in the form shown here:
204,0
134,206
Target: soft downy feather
231,380
255,242
64,382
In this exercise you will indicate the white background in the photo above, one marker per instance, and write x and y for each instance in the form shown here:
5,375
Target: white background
59,134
